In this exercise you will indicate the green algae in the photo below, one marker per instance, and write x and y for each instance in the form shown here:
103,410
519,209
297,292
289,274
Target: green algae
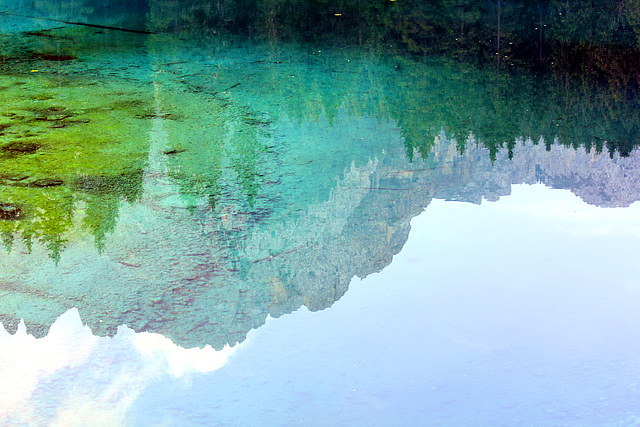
217,139
73,148
68,145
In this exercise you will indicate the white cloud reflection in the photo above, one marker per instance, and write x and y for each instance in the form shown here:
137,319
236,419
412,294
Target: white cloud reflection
72,377
569,212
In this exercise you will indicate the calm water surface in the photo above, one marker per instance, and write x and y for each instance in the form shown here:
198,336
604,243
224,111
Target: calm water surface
200,229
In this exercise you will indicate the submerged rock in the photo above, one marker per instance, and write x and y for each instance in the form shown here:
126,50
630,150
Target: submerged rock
10,211
174,151
47,182
54,57
21,147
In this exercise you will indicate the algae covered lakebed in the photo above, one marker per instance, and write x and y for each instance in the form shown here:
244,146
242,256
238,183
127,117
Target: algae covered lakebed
77,109
65,143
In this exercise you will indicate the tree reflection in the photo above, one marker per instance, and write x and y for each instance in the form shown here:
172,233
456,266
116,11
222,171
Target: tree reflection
209,110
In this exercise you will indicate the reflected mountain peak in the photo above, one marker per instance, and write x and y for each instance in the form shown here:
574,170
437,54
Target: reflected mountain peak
219,272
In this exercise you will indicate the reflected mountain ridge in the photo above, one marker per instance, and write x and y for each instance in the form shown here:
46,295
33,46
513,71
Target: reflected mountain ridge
215,278
244,180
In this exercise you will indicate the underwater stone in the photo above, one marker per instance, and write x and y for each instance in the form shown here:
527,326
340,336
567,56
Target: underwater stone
17,178
47,182
53,114
67,123
10,211
21,147
174,151
54,57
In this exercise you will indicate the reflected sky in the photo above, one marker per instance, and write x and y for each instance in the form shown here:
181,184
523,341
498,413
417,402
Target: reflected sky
91,377
516,312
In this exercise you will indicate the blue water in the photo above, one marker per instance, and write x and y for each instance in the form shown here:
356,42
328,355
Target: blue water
202,229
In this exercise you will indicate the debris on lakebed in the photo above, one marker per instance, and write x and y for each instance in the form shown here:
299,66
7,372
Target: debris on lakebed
10,211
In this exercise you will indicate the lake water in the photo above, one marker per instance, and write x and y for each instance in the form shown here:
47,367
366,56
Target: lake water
207,229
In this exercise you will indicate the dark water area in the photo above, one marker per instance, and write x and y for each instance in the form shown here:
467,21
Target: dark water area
346,213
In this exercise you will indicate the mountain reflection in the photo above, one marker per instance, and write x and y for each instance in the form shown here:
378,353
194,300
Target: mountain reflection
218,273
193,184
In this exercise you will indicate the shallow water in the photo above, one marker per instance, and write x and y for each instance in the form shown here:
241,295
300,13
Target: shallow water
261,233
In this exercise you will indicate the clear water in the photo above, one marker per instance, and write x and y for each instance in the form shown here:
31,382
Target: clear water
202,229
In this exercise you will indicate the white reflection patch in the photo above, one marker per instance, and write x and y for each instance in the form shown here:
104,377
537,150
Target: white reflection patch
71,377
180,361
570,212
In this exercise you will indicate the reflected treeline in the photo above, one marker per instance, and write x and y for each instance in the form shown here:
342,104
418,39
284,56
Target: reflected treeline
423,97
74,148
501,31
501,108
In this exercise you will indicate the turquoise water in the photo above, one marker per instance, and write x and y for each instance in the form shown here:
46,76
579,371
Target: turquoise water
204,229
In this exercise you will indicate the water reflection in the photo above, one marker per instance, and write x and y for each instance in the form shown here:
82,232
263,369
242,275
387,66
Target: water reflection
245,179
198,169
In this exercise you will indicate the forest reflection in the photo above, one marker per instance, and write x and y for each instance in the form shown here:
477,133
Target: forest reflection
220,99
